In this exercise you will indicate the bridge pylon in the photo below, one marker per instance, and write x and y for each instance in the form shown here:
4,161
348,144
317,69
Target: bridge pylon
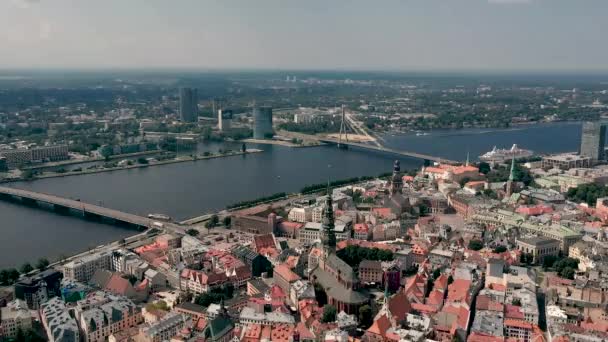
343,129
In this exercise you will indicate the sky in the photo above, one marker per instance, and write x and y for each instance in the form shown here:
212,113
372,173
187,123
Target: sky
442,35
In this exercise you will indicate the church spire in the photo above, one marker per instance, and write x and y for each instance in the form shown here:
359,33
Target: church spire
329,234
509,189
512,173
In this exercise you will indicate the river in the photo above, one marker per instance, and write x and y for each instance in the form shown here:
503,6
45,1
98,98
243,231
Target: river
185,190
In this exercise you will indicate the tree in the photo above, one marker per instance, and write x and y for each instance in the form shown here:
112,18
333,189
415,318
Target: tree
4,279
142,160
549,261
42,264
365,316
227,221
500,249
567,272
26,268
214,220
329,314
516,302
484,168
13,275
244,148
475,245
450,279
192,232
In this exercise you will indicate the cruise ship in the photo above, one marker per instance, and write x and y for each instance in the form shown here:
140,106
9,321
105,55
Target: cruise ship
499,155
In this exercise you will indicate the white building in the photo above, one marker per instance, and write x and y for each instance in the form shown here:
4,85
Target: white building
83,268
14,317
164,329
301,215
312,231
250,316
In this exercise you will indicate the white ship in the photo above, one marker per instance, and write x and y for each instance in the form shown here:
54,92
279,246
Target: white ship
160,217
500,155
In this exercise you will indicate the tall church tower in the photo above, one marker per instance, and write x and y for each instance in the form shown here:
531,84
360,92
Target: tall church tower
511,178
396,180
328,224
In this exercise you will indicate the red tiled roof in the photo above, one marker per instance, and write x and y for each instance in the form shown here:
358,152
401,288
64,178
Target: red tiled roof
423,308
486,303
435,298
263,241
479,337
118,285
284,272
384,212
361,228
380,326
513,312
517,323
399,306
458,291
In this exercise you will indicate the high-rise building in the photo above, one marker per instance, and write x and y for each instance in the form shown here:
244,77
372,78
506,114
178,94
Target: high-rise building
262,122
593,140
188,104
224,119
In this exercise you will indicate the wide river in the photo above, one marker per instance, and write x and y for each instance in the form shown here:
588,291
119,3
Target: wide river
190,189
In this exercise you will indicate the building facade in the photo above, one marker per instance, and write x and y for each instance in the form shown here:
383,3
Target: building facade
262,122
593,140
188,104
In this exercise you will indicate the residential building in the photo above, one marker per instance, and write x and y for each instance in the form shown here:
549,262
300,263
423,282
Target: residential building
14,317
165,329
370,271
57,322
39,288
23,156
83,268
100,320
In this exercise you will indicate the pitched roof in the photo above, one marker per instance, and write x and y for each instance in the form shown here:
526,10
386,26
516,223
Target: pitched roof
380,326
399,306
284,272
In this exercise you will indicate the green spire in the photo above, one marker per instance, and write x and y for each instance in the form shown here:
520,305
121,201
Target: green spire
512,174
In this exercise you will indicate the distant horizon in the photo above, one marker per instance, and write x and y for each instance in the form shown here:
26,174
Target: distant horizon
244,69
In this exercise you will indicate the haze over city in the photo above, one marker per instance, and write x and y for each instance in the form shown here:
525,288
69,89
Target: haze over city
303,171
484,35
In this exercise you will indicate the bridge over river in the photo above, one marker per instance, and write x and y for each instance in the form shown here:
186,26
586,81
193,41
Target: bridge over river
87,210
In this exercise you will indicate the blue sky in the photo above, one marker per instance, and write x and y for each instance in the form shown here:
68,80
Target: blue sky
568,35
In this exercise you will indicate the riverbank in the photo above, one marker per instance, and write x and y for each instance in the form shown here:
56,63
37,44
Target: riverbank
279,143
90,160
181,159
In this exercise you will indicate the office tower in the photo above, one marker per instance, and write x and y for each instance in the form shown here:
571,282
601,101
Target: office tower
262,122
188,104
224,119
593,140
